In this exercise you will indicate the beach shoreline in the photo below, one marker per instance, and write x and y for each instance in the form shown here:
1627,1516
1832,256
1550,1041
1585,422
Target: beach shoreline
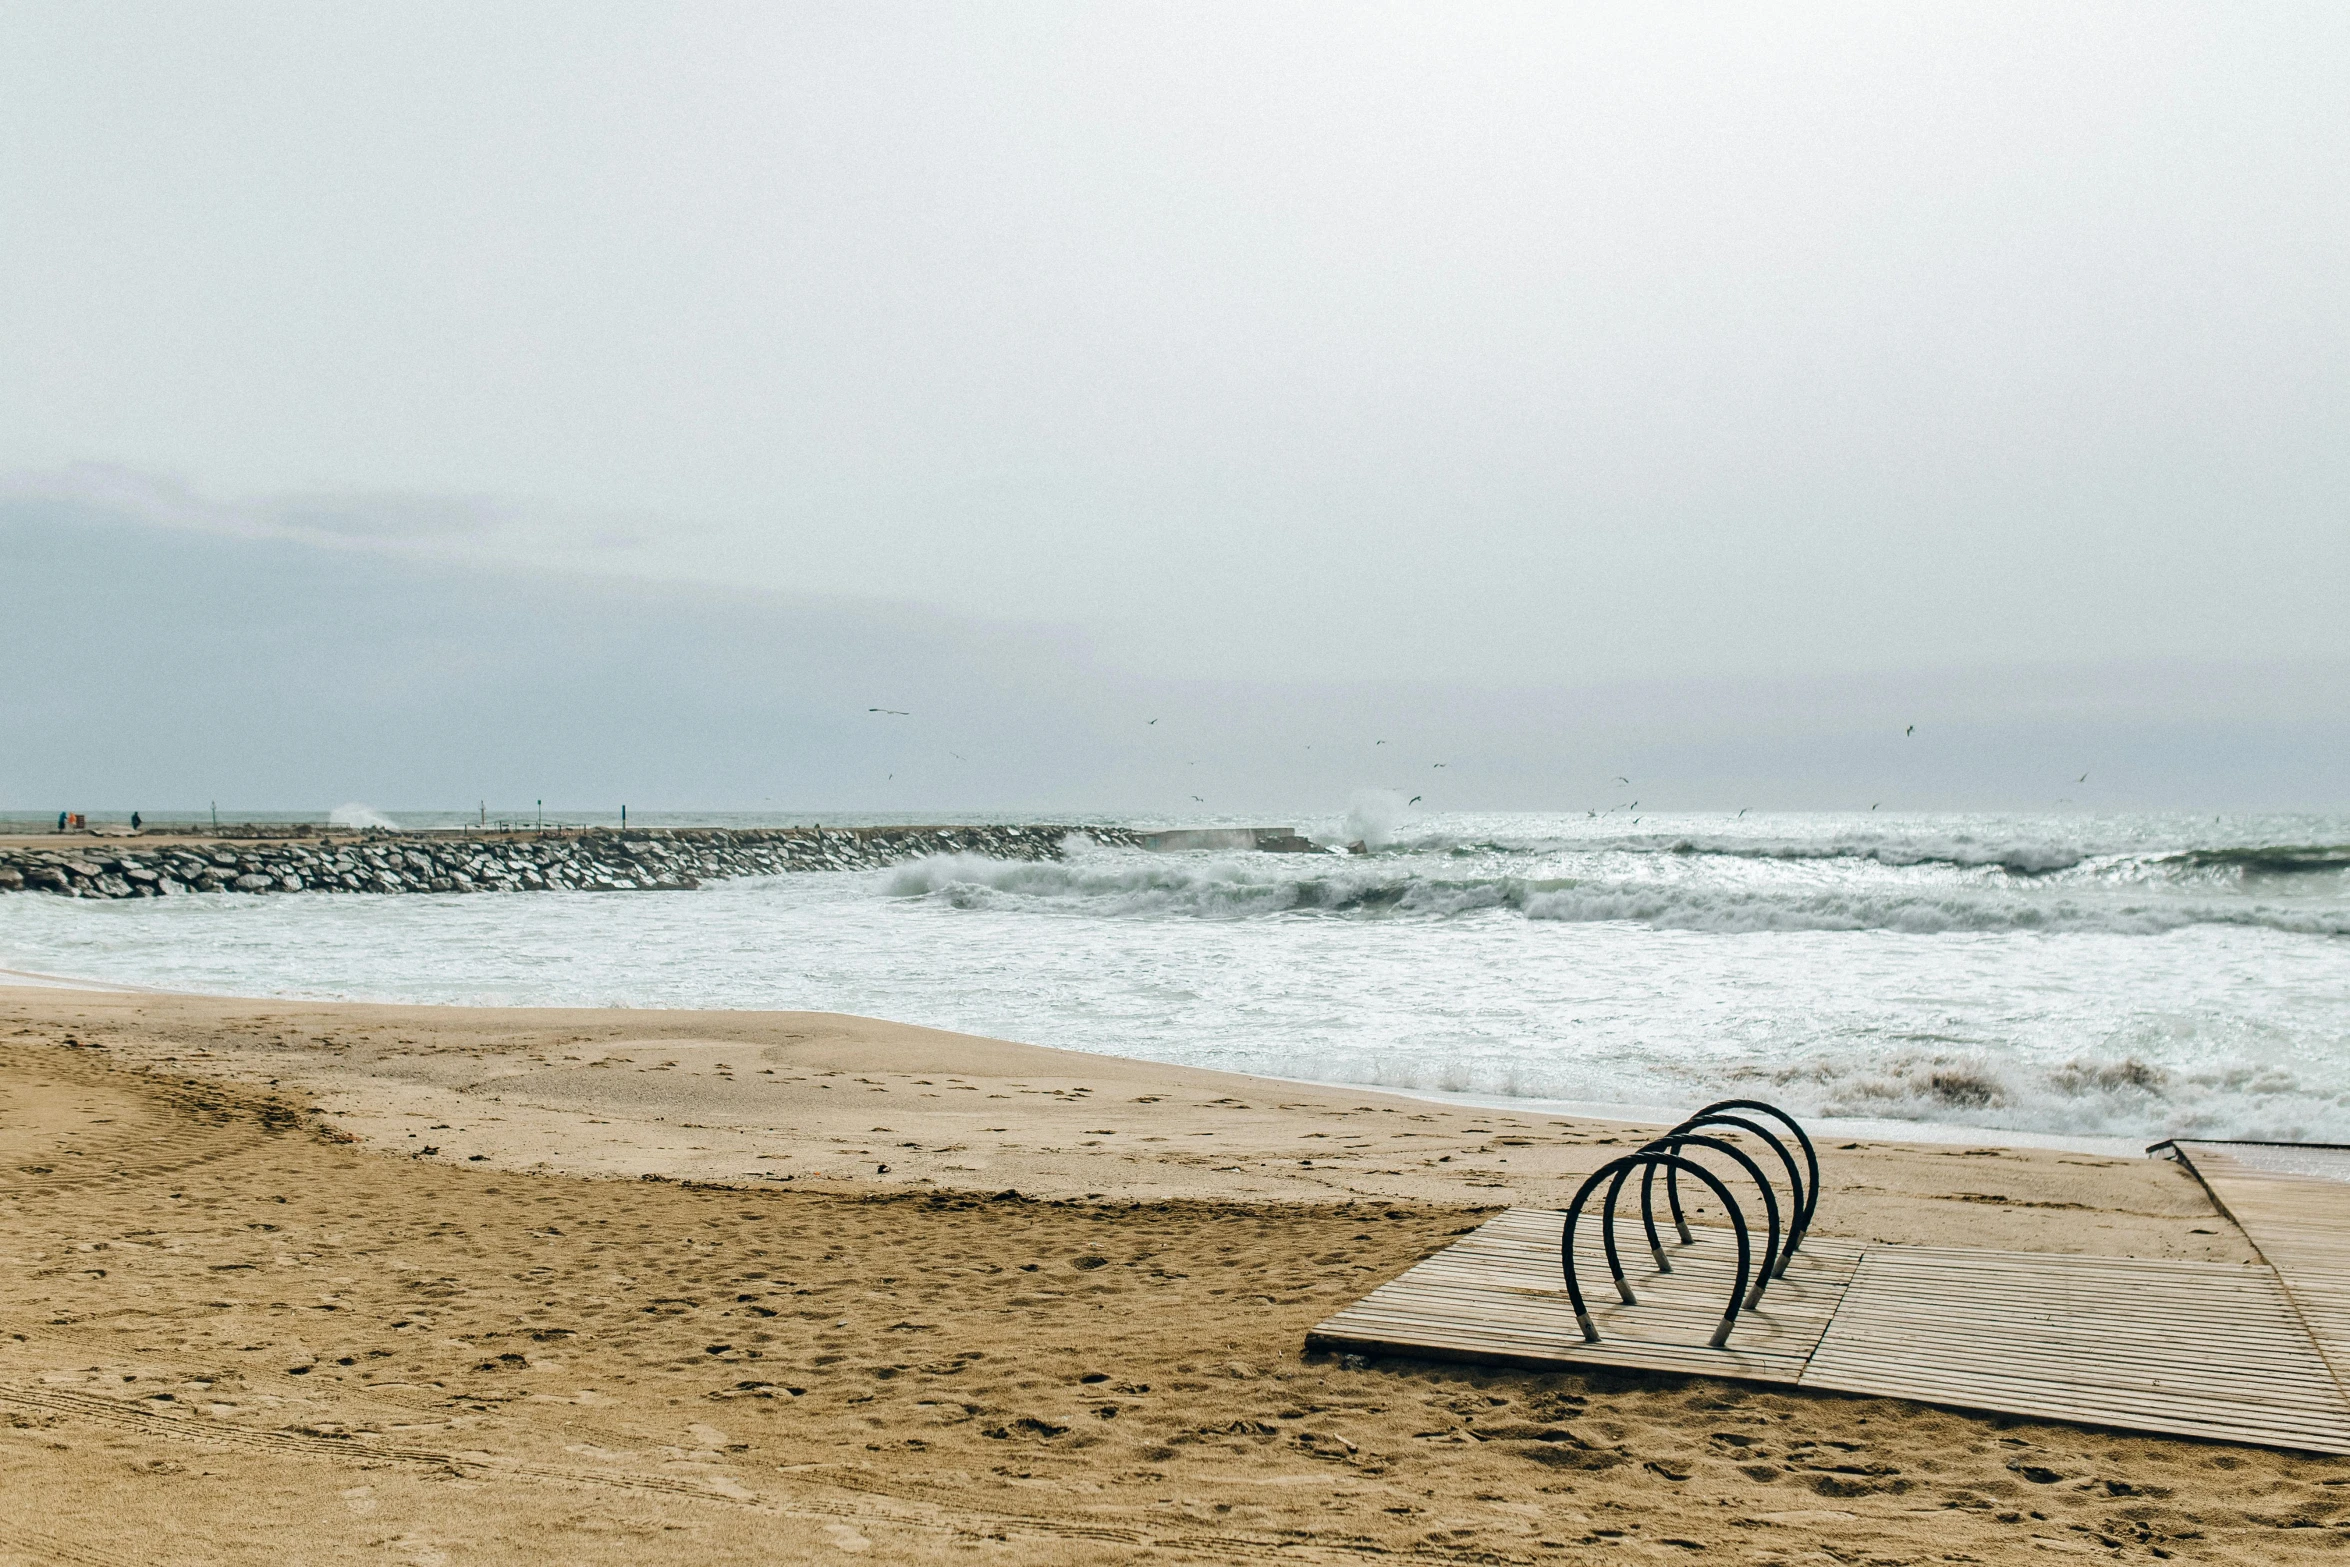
1623,1114
832,1102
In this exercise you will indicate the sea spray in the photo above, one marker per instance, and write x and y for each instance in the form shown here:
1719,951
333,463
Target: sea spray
1373,816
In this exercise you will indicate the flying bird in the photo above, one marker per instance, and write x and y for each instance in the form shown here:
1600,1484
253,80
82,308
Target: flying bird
1201,801
1438,764
1623,780
1743,809
1873,807
1911,730
891,711
1414,800
1154,720
1378,742
2084,778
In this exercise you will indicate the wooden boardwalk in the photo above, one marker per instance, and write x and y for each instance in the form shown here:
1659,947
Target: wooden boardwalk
2184,1348
2292,1201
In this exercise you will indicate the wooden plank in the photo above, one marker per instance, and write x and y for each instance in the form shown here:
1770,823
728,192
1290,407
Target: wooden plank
1560,1327
1893,1359
2282,1392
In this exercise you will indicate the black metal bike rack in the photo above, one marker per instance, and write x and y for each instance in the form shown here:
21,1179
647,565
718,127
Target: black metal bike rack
1772,1269
1674,1142
1614,1173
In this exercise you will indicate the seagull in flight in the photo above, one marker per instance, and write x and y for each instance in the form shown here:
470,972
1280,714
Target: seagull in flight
891,711
1196,797
1623,780
1414,800
1152,721
2084,778
1911,730
1743,809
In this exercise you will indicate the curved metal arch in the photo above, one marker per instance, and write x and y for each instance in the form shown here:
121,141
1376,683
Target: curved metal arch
1795,1183
1615,1170
1811,1157
1672,1142
1795,1190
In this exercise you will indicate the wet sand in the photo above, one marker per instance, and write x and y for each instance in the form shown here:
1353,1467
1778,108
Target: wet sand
411,1284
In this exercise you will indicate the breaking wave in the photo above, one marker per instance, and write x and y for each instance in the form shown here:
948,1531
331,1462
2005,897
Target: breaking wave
2020,859
2242,1095
2279,860
1257,886
2025,858
1734,911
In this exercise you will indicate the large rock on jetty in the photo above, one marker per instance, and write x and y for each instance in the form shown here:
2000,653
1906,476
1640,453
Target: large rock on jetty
664,859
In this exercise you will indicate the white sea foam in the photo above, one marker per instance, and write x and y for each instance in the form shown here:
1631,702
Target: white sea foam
1738,911
356,815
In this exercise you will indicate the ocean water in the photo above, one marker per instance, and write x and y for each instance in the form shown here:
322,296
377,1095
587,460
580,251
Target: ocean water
2121,976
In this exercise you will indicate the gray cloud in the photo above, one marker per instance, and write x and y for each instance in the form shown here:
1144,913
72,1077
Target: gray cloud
160,666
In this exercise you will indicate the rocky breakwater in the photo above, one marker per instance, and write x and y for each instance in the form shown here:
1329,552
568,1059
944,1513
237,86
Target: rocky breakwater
597,861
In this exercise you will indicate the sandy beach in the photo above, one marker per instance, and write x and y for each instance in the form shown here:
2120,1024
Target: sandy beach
444,1285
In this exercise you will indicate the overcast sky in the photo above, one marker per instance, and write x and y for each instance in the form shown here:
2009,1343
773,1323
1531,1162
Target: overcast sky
1496,345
